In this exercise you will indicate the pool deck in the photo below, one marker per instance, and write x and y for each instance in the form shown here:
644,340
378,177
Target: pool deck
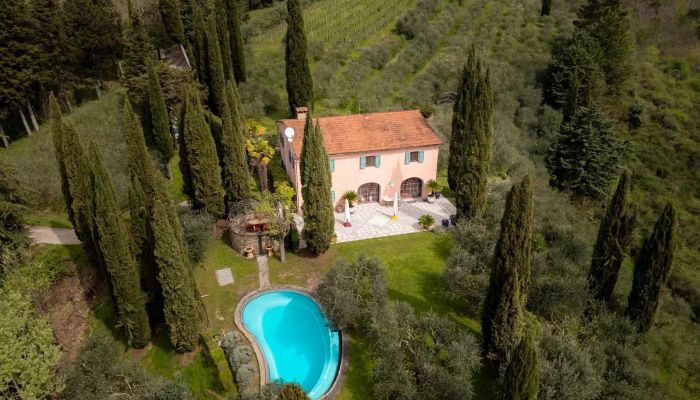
262,364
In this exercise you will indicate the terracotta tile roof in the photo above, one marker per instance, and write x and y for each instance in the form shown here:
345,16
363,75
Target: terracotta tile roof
361,133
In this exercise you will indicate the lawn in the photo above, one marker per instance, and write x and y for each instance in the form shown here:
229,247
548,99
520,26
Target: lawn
191,368
414,265
220,301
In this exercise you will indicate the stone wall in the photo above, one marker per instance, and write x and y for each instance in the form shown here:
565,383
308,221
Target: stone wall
240,240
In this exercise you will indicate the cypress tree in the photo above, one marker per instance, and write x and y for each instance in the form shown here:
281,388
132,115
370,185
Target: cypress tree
74,170
170,13
234,165
217,77
652,269
200,157
521,378
460,118
614,237
502,320
471,142
299,81
166,241
236,40
98,223
160,120
57,127
586,155
546,7
119,262
199,34
316,190
224,38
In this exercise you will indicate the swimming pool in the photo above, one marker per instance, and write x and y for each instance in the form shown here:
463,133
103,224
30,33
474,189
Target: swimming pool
294,336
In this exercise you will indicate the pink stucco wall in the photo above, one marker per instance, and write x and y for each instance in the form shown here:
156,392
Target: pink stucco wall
348,175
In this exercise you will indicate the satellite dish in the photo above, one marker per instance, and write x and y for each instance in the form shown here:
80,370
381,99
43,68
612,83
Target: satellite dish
289,133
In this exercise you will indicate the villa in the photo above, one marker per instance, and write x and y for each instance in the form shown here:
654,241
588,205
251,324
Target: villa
376,155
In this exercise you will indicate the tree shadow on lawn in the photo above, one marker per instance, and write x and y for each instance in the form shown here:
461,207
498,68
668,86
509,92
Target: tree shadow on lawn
442,245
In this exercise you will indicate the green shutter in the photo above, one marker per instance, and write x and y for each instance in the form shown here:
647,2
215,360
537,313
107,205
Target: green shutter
331,165
407,158
362,163
333,196
421,156
377,161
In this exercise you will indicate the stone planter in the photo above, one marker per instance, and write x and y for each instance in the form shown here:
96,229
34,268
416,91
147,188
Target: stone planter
269,249
249,252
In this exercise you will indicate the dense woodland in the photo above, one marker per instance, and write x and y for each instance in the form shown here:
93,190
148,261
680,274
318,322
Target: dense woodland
571,152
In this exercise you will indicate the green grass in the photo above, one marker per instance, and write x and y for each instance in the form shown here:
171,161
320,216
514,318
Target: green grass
358,380
53,219
220,301
176,185
162,360
413,264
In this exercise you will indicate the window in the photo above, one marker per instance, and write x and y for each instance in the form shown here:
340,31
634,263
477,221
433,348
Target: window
370,161
414,156
331,165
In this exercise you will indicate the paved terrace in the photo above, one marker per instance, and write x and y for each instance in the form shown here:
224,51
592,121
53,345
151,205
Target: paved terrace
374,221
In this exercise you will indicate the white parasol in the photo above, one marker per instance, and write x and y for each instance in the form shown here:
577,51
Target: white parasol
347,213
396,205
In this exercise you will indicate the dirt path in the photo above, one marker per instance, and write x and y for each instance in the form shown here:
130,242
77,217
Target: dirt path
48,235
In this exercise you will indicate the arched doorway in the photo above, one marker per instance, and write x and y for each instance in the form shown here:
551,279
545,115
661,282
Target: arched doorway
368,193
412,188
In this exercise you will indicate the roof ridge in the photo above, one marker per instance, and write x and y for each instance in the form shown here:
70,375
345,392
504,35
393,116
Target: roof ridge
354,115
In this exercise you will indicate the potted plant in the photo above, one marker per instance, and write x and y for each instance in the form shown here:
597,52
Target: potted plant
435,188
426,221
351,197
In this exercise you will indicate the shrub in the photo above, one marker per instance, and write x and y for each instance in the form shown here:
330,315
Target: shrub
567,369
100,371
353,293
241,360
415,20
467,268
215,357
426,221
196,230
422,356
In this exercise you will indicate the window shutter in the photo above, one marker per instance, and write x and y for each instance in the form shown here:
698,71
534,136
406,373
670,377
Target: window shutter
407,157
333,196
331,165
421,156
377,161
362,163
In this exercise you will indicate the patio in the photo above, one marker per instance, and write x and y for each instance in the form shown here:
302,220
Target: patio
374,221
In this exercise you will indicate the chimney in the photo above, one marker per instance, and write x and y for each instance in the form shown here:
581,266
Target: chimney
301,112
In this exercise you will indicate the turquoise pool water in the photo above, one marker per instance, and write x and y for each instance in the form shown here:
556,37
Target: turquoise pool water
294,336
